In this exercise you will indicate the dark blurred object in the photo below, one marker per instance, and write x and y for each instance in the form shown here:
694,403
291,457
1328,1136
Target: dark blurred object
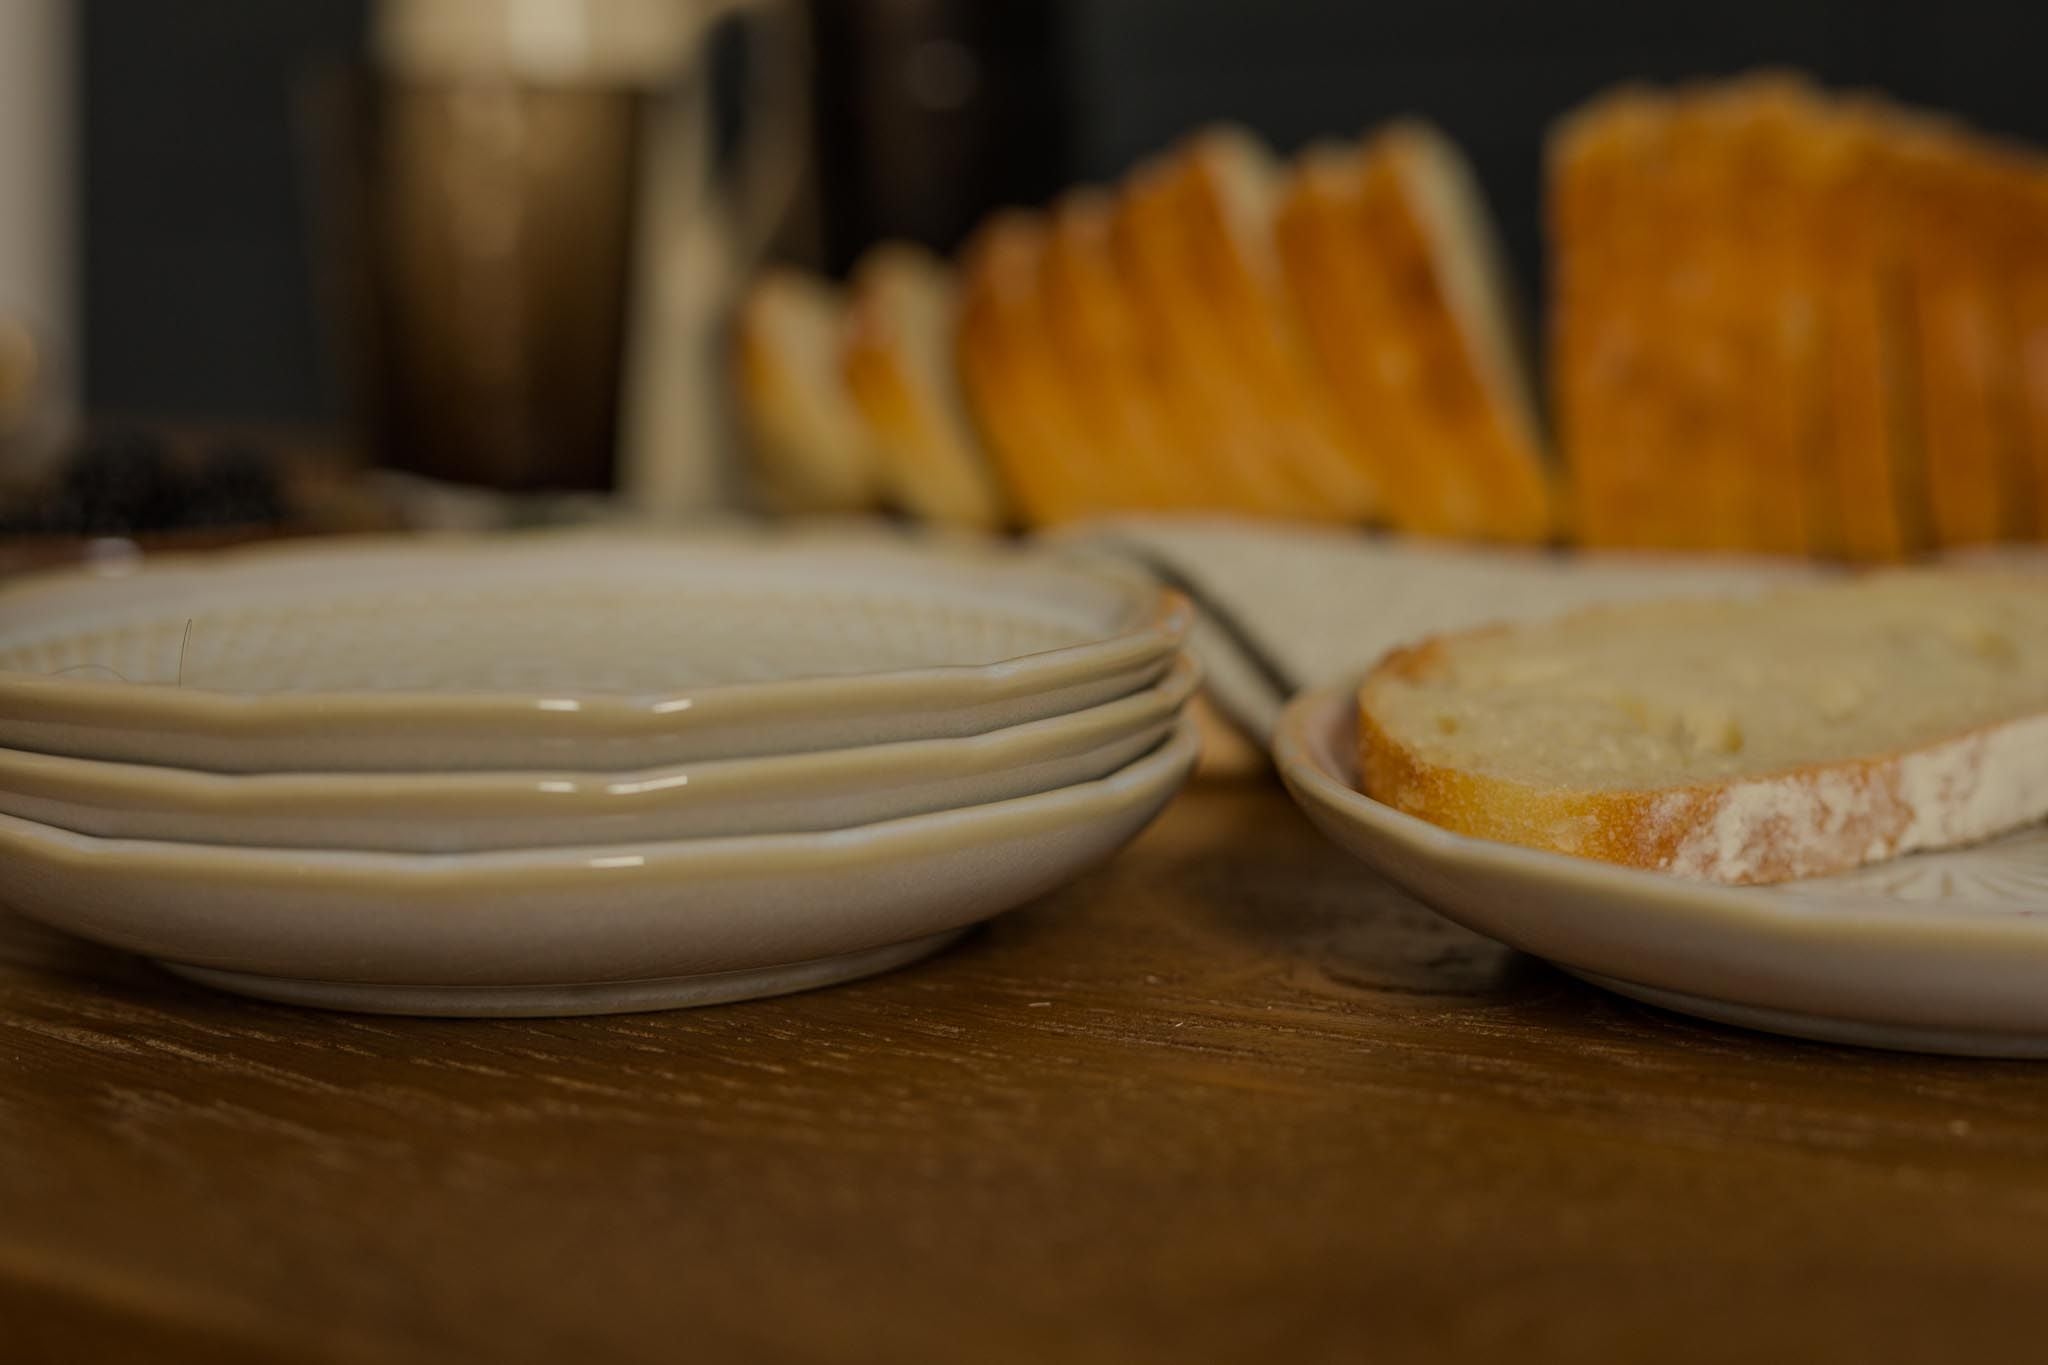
931,112
502,202
193,236
494,226
193,245
130,488
118,484
129,481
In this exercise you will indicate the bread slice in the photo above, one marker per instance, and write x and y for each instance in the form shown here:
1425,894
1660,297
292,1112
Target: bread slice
2016,209
1226,184
899,366
1335,288
810,446
1699,302
1866,427
1964,352
1393,267
1119,371
1751,740
1602,163
1048,459
1428,224
1771,327
2030,319
1777,139
1235,445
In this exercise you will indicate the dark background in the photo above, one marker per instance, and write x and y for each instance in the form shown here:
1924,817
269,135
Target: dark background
198,285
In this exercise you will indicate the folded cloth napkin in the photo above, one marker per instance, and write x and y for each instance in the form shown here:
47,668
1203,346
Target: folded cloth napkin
1283,607
1288,608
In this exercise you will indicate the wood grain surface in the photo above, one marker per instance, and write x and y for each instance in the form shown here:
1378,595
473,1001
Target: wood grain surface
1227,1099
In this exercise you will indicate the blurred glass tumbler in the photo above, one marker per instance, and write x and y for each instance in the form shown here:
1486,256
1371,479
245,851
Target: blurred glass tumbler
501,205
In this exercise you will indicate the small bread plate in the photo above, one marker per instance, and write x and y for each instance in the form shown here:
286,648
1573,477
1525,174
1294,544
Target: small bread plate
562,650
1943,952
473,812
593,930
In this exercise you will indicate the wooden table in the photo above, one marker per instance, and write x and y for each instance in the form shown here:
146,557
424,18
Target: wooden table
1227,1099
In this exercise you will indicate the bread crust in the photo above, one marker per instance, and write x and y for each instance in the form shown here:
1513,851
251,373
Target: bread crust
2025,178
1221,184
1776,132
1012,383
2032,332
1790,322
935,469
1317,231
1800,822
1113,365
1964,352
1604,354
811,449
1469,422
1867,441
1155,255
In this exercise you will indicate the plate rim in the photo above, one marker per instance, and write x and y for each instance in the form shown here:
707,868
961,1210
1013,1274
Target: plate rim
809,853
1156,621
115,785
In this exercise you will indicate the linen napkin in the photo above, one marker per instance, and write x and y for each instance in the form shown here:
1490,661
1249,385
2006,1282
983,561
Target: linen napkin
1288,608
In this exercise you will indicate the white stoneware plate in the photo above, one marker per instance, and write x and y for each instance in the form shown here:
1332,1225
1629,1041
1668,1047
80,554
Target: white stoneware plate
476,811
585,930
1935,953
562,651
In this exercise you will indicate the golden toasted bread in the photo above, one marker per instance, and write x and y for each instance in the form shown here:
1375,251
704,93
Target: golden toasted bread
1774,135
1867,435
1117,368
1599,163
898,360
811,449
1427,227
1152,240
1964,351
1397,282
2030,324
1013,382
1226,185
1334,288
1402,310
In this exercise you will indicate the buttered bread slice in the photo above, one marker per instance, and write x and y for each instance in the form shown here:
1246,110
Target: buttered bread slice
1790,735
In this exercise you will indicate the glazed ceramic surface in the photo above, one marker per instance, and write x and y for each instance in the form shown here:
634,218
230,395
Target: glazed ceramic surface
474,811
562,651
582,930
1942,952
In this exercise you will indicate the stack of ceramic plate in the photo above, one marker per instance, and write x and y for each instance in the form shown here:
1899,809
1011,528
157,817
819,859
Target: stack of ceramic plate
571,775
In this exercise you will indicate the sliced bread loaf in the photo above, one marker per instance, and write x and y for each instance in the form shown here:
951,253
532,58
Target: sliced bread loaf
1428,222
1117,369
2029,189
1605,371
811,448
900,369
1011,371
1753,740
1337,291
1228,185
1865,433
1157,255
1398,282
1960,296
